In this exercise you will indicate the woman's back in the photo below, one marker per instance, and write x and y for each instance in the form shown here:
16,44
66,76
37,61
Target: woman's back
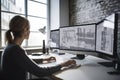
10,63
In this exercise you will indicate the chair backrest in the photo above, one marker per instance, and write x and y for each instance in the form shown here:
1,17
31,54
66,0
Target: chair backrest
2,77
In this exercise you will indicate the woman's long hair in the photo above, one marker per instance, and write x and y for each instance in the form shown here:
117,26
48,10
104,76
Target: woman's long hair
16,28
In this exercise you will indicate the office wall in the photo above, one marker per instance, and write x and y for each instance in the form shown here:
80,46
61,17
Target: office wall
118,36
91,11
54,14
59,13
64,12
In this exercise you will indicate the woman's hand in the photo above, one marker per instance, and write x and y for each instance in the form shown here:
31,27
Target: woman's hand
49,60
68,63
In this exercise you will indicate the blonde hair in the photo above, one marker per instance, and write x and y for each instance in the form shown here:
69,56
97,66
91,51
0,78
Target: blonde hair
16,28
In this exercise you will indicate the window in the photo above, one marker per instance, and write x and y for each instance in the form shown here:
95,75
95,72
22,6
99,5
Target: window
34,10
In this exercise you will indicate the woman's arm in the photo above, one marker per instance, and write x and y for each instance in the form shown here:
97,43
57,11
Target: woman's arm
46,60
49,60
38,61
29,65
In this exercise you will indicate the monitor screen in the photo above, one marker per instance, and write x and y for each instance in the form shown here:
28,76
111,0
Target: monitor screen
55,38
80,37
105,35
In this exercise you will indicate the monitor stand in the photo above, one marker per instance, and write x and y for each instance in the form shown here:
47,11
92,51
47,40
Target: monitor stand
79,56
117,69
115,65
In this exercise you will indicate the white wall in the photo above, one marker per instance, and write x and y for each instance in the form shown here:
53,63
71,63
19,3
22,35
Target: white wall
54,14
59,13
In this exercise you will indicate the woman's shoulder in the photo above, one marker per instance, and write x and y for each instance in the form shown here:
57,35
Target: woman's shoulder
13,47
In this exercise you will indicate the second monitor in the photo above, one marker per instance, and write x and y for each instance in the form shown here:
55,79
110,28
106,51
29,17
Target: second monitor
81,37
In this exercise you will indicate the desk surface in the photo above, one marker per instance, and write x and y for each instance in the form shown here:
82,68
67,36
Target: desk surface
90,69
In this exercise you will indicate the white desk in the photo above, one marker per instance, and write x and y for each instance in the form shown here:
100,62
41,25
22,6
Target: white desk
89,70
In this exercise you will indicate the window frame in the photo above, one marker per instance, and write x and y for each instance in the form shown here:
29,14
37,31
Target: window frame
26,15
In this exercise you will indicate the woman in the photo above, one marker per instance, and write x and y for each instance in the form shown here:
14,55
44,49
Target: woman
15,63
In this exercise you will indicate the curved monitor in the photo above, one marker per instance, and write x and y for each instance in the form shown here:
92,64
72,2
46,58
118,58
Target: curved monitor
105,35
80,37
102,37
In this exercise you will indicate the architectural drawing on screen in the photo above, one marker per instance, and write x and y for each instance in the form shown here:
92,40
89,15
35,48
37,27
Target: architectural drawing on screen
54,36
105,39
78,37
